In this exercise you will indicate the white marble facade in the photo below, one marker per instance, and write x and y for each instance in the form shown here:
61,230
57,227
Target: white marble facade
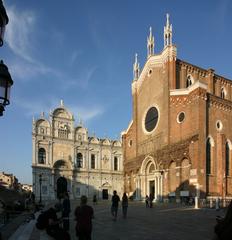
66,158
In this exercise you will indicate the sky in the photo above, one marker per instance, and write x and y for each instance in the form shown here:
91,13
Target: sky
82,51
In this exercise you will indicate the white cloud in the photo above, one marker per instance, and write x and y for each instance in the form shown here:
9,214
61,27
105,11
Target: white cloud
34,108
19,32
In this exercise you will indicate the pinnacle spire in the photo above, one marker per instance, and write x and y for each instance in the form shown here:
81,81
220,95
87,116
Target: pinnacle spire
150,44
167,32
136,69
61,103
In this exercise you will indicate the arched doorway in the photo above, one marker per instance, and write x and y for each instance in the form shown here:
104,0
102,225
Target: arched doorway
150,180
61,186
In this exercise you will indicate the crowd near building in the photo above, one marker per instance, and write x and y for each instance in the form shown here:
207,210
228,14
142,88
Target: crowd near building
66,158
178,143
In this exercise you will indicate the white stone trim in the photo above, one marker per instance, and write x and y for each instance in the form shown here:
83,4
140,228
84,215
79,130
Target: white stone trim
168,54
186,91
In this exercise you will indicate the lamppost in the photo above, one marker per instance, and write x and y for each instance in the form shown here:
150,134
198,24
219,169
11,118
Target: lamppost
3,22
5,84
40,183
5,79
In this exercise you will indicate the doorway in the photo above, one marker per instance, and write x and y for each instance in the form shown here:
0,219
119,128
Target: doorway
105,194
61,187
152,188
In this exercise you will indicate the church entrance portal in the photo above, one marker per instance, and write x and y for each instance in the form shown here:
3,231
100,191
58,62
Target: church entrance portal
61,186
105,194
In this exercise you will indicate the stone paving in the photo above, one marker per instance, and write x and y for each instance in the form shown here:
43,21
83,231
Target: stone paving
162,222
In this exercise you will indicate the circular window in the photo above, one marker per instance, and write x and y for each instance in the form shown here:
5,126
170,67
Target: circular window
180,117
151,119
149,72
219,125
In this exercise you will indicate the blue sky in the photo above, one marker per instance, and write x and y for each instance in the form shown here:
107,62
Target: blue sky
82,51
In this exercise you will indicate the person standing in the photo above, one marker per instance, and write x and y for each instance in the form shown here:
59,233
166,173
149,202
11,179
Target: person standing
65,211
151,198
94,199
114,208
84,215
124,205
147,201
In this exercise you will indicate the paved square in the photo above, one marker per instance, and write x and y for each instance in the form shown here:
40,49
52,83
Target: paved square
163,222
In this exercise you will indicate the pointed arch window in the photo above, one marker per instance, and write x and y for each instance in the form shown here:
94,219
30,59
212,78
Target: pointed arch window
79,160
208,156
189,81
223,93
115,164
42,156
227,167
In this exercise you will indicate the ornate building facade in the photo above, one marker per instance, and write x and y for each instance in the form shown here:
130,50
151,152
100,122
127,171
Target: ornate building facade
178,143
65,158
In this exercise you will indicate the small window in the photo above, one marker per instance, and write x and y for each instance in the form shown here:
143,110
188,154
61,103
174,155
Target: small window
41,156
180,117
223,93
189,81
219,125
79,160
130,143
115,164
149,72
92,161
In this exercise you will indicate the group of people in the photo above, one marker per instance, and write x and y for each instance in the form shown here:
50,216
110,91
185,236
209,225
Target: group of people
149,200
59,228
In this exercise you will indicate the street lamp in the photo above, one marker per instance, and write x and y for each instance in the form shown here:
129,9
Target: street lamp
3,22
40,182
5,84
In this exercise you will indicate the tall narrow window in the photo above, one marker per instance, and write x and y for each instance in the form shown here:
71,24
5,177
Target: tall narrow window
42,156
223,94
208,157
92,161
189,81
79,160
227,170
115,164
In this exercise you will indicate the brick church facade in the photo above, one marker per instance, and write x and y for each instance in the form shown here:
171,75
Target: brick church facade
178,143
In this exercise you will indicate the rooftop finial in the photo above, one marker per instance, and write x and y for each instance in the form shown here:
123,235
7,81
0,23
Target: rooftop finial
33,119
167,32
136,69
167,21
150,44
61,103
42,114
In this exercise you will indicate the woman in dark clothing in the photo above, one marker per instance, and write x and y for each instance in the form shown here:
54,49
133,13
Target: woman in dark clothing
66,211
124,205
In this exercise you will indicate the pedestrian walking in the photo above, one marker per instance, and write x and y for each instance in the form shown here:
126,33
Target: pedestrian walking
147,201
114,207
66,211
84,215
124,205
94,199
151,198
